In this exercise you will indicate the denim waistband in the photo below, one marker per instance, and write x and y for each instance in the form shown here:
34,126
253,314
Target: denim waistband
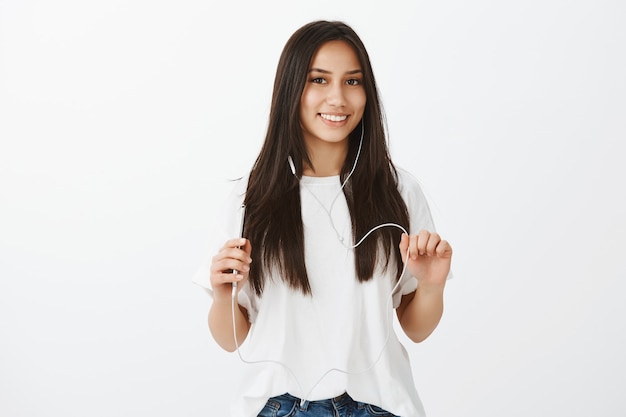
338,402
340,406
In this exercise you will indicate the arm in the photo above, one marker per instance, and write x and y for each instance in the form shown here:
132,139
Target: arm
429,261
234,255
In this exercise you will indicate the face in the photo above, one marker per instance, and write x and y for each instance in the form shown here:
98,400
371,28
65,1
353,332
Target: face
333,99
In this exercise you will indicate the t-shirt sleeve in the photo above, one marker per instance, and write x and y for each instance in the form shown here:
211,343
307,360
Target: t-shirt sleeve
224,227
420,218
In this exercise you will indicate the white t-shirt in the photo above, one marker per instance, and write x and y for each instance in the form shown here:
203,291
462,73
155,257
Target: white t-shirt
343,325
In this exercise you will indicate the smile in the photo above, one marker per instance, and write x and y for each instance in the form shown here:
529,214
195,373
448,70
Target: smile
333,118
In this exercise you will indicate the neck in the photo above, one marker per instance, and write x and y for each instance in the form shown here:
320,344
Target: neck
327,159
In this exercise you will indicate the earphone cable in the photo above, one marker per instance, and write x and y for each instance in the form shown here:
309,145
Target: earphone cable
340,238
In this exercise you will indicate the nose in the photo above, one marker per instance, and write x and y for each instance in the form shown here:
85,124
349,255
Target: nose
336,96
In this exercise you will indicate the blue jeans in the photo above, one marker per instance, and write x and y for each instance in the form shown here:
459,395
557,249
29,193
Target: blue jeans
343,406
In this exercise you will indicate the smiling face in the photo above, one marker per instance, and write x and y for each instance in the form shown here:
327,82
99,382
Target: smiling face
333,99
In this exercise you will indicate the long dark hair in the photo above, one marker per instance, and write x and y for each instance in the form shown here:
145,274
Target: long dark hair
273,222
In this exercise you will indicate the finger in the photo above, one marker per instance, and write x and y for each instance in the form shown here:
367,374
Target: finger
235,243
413,248
226,278
404,245
229,260
431,245
247,247
235,253
422,241
444,250
228,265
227,270
404,242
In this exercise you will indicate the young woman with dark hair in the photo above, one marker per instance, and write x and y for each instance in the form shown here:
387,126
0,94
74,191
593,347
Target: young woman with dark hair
340,237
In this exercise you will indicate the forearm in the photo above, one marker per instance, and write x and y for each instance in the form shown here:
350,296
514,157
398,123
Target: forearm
422,314
221,324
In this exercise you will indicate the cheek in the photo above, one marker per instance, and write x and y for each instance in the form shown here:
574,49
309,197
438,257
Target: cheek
359,100
310,101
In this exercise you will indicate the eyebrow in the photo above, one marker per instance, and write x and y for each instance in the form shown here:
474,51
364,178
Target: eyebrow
323,71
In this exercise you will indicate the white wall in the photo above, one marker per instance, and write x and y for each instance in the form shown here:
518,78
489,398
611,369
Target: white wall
121,122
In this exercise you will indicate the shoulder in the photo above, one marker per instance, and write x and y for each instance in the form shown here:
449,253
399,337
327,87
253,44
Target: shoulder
409,186
417,205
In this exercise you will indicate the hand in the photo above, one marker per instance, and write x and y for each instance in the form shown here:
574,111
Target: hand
233,256
429,257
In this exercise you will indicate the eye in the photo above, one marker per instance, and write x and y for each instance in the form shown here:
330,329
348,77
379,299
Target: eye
353,81
318,80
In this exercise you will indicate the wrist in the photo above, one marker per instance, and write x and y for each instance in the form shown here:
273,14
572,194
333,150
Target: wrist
221,300
430,289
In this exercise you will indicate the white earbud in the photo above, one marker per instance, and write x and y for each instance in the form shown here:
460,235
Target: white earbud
291,165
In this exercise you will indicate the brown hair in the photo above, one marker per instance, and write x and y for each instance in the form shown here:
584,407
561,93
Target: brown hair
273,222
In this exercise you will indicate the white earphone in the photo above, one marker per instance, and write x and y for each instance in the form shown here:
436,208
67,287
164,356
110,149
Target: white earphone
291,165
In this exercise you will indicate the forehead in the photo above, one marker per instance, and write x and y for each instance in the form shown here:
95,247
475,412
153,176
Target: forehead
336,56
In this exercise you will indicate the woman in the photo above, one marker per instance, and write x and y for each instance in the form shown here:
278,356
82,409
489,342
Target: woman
336,238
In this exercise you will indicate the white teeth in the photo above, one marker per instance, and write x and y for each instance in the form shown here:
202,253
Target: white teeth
333,118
